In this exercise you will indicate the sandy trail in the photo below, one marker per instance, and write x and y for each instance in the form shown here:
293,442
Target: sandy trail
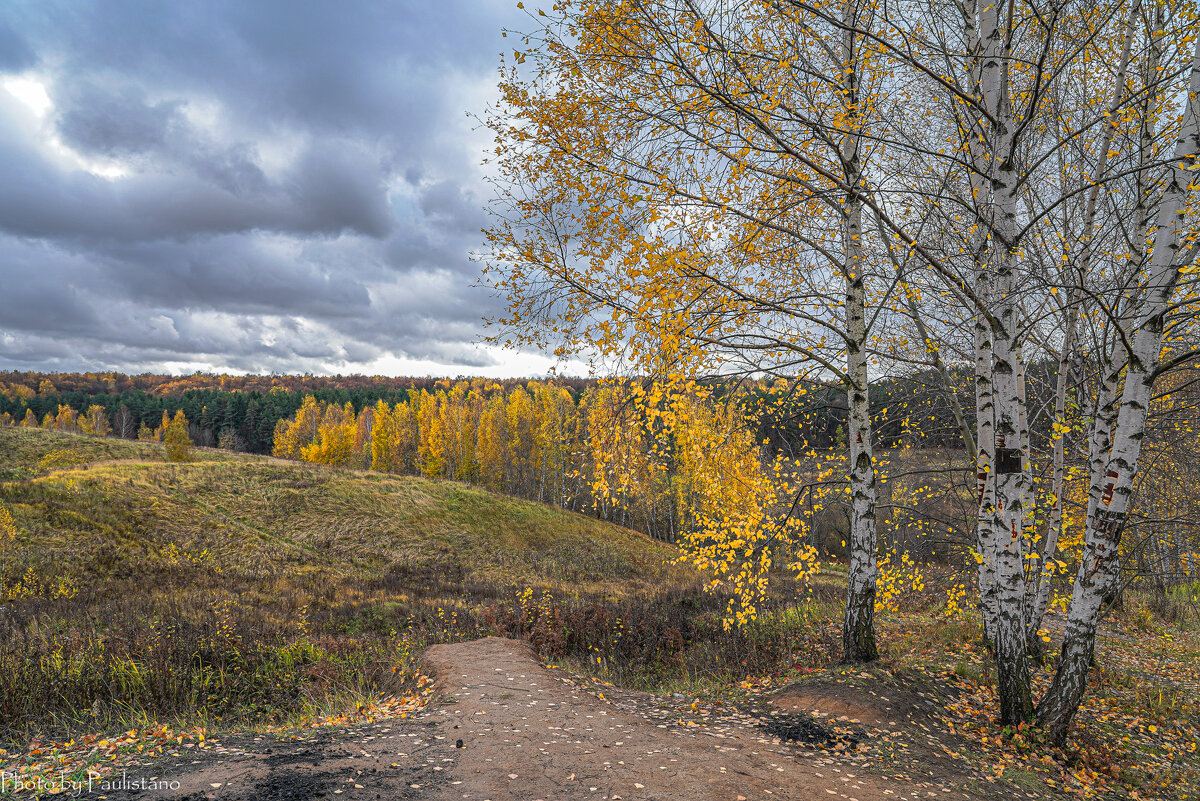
528,733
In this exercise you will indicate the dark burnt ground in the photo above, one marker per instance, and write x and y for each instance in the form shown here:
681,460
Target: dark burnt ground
894,717
803,729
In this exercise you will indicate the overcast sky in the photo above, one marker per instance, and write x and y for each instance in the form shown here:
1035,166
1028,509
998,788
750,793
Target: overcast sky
246,185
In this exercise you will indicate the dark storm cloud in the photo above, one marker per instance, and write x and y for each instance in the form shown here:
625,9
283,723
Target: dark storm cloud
114,123
40,293
255,186
329,189
236,274
15,52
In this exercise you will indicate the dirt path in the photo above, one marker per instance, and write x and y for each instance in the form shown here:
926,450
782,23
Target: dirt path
528,734
508,729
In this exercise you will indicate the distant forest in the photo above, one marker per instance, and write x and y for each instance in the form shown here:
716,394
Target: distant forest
241,412
243,408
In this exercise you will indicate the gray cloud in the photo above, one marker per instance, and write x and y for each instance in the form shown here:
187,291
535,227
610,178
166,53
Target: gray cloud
247,186
114,123
15,52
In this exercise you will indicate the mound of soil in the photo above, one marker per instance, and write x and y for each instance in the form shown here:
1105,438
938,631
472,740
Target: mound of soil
868,699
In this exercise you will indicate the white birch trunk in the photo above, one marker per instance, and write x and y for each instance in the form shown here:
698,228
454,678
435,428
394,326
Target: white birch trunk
985,538
858,633
985,441
1102,539
858,636
1010,477
1011,481
1040,592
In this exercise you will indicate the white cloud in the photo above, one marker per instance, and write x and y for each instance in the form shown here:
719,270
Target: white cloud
30,91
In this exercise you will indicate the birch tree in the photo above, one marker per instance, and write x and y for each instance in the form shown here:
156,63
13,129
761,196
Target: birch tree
1158,274
1073,277
683,192
1026,111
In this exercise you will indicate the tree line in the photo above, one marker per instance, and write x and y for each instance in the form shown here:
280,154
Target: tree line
233,419
910,408
588,451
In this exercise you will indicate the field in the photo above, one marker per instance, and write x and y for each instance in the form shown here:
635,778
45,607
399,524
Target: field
239,592
238,588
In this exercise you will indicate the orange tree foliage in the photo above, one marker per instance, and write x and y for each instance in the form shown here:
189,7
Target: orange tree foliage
524,442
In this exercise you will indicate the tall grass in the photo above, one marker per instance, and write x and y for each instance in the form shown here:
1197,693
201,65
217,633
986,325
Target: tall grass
66,666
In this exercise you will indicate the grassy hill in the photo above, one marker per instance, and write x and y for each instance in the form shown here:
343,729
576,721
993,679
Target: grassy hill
101,508
243,587
238,590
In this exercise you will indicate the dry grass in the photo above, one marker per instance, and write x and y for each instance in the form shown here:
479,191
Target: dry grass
238,589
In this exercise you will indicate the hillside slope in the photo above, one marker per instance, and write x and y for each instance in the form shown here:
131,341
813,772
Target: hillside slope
253,587
99,508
